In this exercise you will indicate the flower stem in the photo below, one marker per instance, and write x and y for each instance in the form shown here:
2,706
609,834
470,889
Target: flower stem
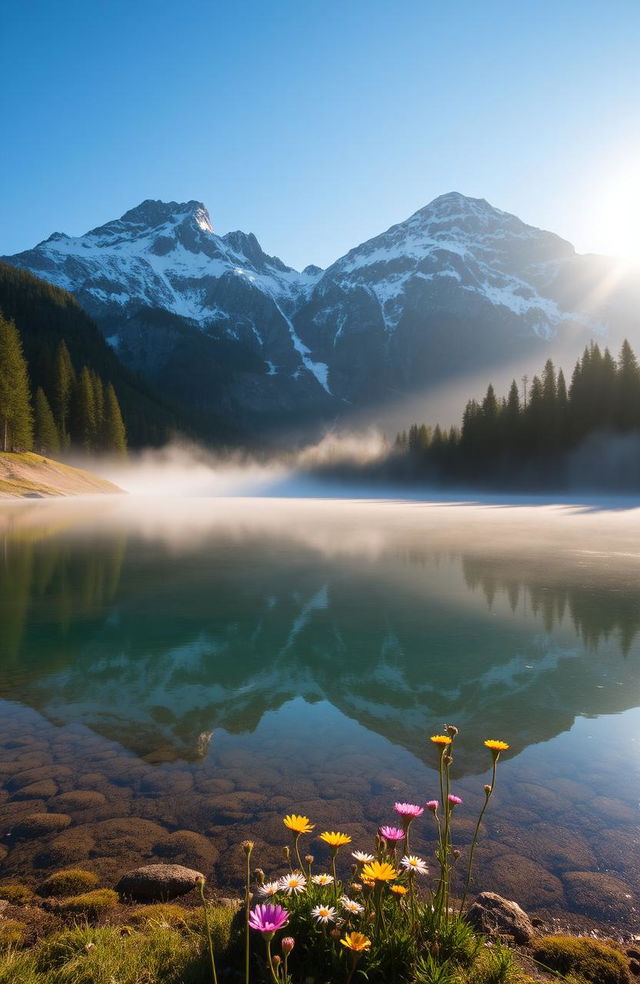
447,843
208,929
296,838
354,964
441,852
267,940
412,898
475,834
247,906
334,852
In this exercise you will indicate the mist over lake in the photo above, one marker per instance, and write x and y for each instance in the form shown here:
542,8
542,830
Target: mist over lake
177,673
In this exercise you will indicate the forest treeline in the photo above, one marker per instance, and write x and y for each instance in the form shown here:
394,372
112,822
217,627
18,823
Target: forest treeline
77,410
45,316
533,430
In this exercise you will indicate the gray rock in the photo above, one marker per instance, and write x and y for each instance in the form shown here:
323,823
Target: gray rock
495,916
157,882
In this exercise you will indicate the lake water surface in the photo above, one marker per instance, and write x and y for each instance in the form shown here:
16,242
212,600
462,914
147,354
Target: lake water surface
176,675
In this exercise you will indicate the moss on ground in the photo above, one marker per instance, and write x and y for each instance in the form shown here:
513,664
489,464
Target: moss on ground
16,894
71,881
12,933
584,958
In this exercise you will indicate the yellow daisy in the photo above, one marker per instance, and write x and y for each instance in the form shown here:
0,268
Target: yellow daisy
441,740
299,825
379,871
399,889
335,839
357,942
496,746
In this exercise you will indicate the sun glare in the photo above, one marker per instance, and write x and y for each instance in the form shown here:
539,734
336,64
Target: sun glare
617,218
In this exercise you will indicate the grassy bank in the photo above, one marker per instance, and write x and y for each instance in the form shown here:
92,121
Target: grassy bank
166,944
29,475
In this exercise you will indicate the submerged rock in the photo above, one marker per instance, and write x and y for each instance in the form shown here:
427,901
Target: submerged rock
598,894
39,824
495,916
158,882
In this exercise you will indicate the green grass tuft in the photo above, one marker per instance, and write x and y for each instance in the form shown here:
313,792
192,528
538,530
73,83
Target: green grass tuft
163,915
92,905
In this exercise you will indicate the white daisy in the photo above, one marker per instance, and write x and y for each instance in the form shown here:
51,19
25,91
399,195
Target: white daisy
322,879
293,884
411,862
362,856
324,913
269,888
349,905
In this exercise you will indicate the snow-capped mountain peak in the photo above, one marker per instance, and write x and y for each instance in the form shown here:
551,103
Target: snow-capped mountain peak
214,320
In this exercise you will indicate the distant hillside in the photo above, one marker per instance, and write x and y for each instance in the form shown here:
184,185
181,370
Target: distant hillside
30,476
45,315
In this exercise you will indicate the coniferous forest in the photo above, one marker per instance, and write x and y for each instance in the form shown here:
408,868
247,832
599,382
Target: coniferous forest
80,410
530,434
75,380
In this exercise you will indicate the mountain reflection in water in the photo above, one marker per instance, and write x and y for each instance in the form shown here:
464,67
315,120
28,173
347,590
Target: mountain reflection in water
159,625
153,642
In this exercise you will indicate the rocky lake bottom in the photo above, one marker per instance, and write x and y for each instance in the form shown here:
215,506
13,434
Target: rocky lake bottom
174,682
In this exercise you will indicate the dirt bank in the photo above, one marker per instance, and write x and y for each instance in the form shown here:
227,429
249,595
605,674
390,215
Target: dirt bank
29,475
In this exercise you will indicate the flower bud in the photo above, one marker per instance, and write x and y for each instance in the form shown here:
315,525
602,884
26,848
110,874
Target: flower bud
487,790
451,730
287,852
336,933
309,858
456,853
276,960
259,876
247,847
287,944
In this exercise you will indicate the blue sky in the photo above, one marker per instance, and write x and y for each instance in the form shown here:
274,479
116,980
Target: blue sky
318,124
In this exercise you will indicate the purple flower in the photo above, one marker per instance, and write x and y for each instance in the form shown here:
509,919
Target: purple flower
392,833
454,800
432,805
409,810
268,918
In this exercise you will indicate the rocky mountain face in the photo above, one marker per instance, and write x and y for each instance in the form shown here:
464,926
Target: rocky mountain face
225,329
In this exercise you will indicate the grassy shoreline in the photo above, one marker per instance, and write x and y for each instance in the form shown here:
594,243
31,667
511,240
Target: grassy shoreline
25,475
45,940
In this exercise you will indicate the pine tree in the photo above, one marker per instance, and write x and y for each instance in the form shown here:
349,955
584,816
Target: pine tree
16,419
512,418
627,397
561,392
98,399
46,437
114,430
512,407
63,387
549,384
84,412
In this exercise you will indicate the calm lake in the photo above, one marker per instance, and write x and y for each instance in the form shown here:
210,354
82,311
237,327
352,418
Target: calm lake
176,675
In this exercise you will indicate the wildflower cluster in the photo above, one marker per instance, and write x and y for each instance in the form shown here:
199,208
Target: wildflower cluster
337,922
